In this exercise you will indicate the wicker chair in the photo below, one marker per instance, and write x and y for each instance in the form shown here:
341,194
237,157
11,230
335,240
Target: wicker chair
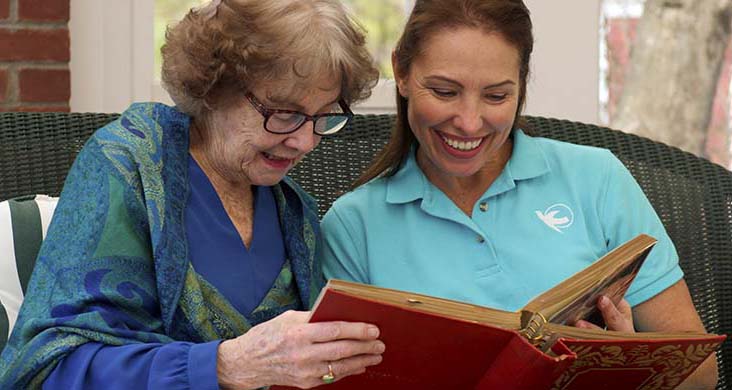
692,196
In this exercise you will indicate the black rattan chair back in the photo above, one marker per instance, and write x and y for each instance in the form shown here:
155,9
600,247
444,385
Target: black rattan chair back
329,170
692,196
37,149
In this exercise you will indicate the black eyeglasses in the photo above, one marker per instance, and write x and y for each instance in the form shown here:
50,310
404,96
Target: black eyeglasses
287,121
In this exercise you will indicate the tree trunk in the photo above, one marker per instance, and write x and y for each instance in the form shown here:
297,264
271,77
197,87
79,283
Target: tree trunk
675,65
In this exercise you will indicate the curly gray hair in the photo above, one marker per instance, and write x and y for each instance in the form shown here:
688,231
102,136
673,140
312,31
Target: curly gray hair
239,42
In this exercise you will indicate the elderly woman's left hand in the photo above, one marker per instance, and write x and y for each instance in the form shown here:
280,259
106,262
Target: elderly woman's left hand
617,317
288,350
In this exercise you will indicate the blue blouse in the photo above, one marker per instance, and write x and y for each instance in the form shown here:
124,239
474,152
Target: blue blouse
243,275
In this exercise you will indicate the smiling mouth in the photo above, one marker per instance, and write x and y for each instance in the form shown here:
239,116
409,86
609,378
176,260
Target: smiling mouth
277,161
461,145
276,158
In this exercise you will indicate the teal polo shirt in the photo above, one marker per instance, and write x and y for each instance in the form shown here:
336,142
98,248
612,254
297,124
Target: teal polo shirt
555,209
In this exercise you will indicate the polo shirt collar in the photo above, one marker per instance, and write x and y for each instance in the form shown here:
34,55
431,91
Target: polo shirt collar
409,183
527,161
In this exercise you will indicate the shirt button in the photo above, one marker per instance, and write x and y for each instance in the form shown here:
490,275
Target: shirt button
483,206
481,239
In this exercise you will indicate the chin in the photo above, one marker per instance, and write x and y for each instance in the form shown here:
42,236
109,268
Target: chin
267,177
267,182
459,170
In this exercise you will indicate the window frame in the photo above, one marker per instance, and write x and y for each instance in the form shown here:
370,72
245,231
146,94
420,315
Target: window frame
111,55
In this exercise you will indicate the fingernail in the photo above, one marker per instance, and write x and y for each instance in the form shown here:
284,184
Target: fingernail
604,301
380,348
373,331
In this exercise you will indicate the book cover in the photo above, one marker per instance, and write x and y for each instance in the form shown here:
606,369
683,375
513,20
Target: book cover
434,343
634,364
430,351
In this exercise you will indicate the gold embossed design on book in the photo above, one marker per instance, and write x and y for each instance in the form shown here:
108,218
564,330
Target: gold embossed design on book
671,362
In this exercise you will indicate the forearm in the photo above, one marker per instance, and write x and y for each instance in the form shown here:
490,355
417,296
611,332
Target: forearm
177,365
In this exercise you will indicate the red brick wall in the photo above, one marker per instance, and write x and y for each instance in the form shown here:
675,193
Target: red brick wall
34,55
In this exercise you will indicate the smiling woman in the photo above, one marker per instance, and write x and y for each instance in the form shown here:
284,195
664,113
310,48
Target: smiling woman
441,81
514,214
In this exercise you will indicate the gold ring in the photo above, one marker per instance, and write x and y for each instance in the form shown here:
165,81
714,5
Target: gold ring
329,377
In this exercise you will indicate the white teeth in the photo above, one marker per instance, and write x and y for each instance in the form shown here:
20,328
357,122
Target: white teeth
462,145
273,157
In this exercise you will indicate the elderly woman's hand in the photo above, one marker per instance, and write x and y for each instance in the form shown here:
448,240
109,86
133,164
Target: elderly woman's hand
618,317
289,351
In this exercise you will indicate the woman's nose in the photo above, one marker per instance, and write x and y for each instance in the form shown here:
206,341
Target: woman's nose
470,117
303,139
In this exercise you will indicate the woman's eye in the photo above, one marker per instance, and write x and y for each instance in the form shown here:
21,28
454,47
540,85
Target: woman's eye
496,97
443,92
286,117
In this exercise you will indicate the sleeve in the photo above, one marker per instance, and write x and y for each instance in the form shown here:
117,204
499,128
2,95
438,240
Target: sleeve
626,212
172,366
341,252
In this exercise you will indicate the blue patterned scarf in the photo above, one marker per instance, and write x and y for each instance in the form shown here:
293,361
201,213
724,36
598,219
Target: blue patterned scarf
114,267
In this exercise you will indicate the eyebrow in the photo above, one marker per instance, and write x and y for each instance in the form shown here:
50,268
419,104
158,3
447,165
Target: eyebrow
451,81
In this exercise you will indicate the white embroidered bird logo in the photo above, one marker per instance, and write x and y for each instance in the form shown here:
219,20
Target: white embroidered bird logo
557,217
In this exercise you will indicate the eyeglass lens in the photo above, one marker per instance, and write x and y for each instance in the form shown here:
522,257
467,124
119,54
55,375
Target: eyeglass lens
324,125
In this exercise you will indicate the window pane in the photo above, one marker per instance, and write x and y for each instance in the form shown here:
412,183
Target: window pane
167,11
382,19
619,19
619,22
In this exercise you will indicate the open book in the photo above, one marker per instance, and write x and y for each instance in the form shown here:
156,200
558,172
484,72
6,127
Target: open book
434,343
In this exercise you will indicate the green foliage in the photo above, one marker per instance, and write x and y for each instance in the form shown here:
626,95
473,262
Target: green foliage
166,12
382,19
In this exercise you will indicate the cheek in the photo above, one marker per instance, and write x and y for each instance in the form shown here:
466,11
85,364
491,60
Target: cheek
423,114
241,150
253,141
500,118
507,116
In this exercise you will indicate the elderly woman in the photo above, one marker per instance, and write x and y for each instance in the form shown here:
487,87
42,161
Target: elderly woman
179,251
484,212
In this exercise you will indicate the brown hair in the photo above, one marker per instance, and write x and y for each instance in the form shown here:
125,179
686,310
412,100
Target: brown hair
235,43
510,18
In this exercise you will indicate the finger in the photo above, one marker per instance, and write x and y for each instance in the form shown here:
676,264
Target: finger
624,308
339,330
342,349
586,325
353,365
614,319
314,375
